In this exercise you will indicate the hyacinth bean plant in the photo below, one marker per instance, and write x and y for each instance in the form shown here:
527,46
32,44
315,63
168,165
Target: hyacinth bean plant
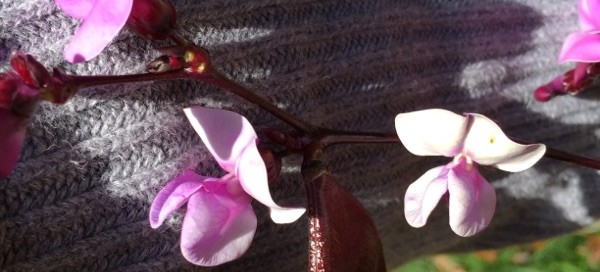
219,222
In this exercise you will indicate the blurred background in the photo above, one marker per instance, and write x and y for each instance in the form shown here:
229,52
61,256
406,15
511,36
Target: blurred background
575,252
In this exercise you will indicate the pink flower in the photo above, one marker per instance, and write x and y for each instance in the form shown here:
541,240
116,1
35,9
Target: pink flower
468,139
102,21
584,46
219,223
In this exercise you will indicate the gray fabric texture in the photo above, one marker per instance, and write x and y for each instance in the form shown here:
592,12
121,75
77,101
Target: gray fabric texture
78,199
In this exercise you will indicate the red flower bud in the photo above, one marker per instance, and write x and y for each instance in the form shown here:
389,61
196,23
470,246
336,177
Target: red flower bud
31,71
153,19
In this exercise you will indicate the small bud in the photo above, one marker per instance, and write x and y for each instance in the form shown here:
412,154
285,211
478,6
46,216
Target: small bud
153,19
554,88
543,94
31,71
272,162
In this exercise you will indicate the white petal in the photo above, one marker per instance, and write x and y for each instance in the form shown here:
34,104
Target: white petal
431,132
423,195
488,145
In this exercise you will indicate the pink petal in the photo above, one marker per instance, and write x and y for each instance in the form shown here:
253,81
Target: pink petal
423,195
488,145
225,133
472,199
581,47
218,227
99,28
174,195
12,133
431,132
589,15
252,174
76,8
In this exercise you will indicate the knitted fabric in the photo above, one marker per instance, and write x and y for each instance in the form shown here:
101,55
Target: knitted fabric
79,197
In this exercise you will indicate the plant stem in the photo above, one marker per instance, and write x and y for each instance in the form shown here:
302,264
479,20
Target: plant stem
215,78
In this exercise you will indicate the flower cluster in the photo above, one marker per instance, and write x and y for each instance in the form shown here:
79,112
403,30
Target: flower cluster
219,222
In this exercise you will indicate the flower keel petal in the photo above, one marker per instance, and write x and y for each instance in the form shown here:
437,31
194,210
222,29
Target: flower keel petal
472,200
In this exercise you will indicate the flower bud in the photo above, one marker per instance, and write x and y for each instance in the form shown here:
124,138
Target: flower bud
31,71
153,19
272,162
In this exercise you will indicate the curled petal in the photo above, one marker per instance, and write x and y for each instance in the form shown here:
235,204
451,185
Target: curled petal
472,199
588,15
76,8
488,145
12,133
423,195
225,133
217,228
431,132
581,47
252,174
100,26
174,195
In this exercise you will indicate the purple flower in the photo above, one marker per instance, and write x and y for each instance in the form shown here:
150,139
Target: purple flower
468,139
584,46
219,223
102,21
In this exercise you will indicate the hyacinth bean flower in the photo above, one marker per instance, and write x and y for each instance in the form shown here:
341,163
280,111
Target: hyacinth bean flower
468,139
219,223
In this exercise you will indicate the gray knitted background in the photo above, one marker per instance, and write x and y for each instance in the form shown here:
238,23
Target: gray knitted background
78,200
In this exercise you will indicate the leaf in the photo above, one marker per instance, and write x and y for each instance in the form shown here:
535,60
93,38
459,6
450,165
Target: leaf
342,235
